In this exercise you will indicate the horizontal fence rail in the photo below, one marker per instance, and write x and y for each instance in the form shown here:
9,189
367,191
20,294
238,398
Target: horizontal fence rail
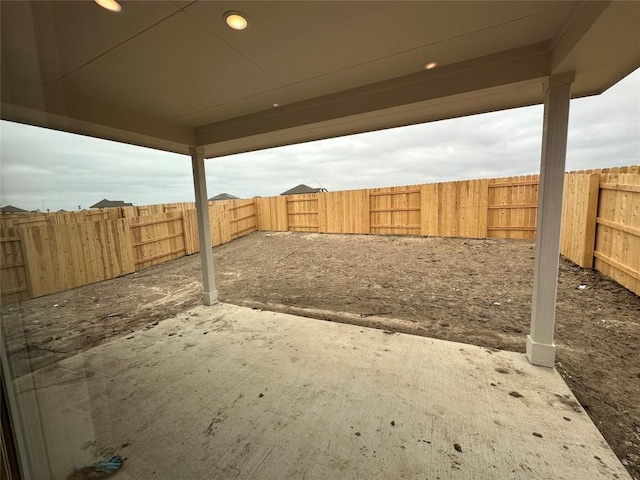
46,253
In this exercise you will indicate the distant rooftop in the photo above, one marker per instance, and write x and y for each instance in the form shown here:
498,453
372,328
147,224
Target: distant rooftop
12,209
302,188
223,196
104,203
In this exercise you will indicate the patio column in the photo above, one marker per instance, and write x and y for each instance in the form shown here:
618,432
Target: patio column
209,292
541,350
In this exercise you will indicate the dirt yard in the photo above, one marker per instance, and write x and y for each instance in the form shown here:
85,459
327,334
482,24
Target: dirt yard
472,291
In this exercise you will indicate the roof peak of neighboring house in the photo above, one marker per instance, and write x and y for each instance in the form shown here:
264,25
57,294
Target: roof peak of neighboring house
223,196
104,203
302,188
12,209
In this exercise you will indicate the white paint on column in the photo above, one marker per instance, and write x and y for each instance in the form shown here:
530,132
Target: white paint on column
209,292
541,349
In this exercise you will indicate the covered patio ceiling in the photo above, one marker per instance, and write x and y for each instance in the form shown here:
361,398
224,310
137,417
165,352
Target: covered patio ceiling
172,75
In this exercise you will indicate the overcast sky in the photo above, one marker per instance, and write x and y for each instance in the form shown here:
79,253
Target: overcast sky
61,171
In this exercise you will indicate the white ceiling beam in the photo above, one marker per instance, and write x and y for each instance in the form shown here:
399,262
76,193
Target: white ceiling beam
470,103
513,66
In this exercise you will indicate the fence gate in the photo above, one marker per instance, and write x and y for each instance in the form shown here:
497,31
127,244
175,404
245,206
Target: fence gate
302,213
395,211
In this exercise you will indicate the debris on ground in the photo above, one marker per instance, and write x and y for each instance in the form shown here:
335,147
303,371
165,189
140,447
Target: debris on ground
98,470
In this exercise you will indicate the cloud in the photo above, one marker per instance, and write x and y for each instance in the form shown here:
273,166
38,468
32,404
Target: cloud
67,170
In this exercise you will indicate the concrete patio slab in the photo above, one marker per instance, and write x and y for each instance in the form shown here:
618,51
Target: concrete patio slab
229,392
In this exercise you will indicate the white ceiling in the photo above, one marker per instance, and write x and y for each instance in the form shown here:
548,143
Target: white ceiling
172,75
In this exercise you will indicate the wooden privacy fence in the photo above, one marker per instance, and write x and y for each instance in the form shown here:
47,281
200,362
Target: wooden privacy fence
601,224
504,208
13,274
601,214
47,253
52,258
46,256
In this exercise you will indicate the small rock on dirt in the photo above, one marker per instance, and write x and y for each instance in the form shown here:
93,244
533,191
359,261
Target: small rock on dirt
502,370
261,395
457,447
357,434
516,394
536,434
393,423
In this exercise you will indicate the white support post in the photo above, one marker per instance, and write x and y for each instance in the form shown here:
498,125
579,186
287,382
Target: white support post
541,350
209,292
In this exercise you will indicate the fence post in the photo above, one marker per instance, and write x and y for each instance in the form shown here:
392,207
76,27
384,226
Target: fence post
25,260
579,212
369,211
483,209
593,193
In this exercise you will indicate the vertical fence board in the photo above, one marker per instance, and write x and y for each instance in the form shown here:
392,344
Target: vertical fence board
579,211
343,212
219,222
272,213
190,228
429,210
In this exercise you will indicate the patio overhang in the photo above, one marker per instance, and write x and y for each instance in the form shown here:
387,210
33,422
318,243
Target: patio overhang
173,76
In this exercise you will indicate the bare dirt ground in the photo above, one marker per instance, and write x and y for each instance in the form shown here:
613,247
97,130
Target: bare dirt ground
472,291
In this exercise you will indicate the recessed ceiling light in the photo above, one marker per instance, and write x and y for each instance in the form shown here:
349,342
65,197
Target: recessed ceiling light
431,65
111,5
235,20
